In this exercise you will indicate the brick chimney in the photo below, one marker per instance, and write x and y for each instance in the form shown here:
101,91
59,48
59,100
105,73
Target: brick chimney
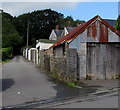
57,27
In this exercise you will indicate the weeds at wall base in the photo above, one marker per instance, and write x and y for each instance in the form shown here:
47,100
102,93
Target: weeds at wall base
67,79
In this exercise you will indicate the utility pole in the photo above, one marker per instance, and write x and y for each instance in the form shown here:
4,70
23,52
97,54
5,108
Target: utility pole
27,32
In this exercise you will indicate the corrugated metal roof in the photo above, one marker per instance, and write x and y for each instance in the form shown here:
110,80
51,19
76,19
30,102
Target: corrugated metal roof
78,30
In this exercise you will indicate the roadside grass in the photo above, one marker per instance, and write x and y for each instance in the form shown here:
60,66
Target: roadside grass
4,62
72,84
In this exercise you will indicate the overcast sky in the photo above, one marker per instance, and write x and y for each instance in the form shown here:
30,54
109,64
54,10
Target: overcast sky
78,10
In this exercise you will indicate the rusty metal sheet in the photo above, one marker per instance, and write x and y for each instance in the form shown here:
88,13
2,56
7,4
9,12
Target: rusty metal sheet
103,33
92,31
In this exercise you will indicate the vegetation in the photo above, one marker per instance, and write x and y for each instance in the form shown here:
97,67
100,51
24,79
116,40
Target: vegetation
10,37
41,23
118,24
72,84
6,61
7,53
70,81
38,24
69,22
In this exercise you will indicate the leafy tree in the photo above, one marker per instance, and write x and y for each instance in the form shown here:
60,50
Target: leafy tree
40,24
77,22
7,16
10,37
118,24
69,22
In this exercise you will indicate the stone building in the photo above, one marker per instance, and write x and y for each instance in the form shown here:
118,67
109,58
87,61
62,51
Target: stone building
57,33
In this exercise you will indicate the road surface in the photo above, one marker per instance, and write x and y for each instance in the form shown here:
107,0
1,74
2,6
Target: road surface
97,102
23,82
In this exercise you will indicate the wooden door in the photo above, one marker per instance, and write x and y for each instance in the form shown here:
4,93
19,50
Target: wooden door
103,60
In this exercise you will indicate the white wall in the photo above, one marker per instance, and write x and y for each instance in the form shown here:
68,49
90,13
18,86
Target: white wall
53,36
43,45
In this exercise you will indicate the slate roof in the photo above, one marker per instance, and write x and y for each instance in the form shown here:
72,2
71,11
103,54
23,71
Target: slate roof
58,32
111,22
81,28
69,29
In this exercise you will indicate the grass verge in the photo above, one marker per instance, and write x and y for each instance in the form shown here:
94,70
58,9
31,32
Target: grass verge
6,61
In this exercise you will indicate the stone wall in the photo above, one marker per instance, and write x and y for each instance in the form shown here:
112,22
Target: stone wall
42,63
65,66
71,63
82,61
58,65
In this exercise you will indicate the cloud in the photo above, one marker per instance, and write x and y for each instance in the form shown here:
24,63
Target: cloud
17,8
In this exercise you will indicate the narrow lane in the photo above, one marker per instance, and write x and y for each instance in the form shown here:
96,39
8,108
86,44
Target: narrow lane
23,82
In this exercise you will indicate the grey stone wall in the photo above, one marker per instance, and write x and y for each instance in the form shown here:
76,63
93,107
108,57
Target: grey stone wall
65,66
71,63
42,63
58,65
58,52
82,61
47,62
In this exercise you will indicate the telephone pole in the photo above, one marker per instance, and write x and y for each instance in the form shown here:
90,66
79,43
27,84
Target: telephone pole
27,32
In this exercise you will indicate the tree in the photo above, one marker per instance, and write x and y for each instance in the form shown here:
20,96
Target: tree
40,24
69,22
7,16
10,37
118,24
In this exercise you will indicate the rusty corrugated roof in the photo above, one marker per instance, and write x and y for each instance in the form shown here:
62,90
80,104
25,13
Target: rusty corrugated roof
78,30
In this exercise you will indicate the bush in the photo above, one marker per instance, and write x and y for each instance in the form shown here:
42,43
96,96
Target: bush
71,84
7,53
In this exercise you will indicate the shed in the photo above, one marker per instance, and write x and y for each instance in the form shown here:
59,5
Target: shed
97,45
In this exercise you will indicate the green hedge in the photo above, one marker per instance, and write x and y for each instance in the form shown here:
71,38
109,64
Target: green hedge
7,53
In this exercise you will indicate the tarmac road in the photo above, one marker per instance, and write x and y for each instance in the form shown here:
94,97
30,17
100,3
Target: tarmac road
23,82
103,102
